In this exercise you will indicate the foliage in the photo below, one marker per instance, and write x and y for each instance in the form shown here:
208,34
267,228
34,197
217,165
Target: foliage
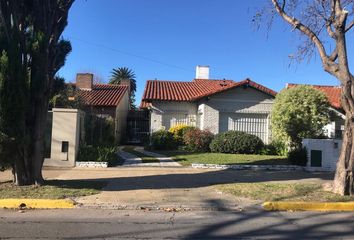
298,156
162,140
236,142
99,131
275,148
197,140
178,132
68,97
98,154
124,73
32,51
299,112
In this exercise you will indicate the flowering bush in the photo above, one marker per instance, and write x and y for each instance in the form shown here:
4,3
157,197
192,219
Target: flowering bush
178,132
197,140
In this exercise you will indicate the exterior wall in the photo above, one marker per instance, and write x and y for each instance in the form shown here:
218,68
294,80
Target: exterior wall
215,110
335,128
164,112
65,128
330,150
121,117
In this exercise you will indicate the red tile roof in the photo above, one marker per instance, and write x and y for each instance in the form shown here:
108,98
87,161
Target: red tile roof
333,93
107,95
192,91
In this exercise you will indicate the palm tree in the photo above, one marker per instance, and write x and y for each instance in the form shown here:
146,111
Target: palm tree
124,73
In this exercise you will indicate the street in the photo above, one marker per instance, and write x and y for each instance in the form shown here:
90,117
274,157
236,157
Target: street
251,223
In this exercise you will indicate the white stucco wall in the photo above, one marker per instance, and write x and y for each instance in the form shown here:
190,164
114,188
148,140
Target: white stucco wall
121,117
65,127
330,149
163,112
215,110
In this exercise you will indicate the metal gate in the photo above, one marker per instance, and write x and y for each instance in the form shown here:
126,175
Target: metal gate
138,126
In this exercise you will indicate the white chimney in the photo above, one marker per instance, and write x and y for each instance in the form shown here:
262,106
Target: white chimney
202,72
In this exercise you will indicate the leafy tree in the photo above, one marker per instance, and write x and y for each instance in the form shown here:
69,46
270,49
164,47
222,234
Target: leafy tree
124,73
64,95
299,112
324,26
32,52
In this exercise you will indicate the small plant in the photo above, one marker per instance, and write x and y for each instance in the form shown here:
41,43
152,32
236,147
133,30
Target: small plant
298,156
98,154
163,140
236,142
275,148
197,140
178,132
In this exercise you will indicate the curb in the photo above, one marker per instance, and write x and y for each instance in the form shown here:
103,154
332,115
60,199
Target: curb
36,203
309,206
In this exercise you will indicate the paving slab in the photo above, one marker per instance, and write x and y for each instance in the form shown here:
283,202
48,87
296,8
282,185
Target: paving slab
164,160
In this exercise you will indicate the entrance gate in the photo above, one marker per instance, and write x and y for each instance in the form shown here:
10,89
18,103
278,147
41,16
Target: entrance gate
138,126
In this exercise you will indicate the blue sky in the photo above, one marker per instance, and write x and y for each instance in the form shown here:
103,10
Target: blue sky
166,39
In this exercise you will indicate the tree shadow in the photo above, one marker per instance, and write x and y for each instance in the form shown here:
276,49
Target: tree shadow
194,180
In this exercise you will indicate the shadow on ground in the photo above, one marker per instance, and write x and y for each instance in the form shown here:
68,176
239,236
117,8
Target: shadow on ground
200,179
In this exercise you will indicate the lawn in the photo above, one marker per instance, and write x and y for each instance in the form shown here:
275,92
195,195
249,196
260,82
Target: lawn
144,158
53,189
282,192
186,158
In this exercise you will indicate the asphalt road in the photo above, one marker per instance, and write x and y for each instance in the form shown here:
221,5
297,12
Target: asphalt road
252,223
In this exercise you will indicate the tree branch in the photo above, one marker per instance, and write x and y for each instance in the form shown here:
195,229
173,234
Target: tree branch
350,25
304,29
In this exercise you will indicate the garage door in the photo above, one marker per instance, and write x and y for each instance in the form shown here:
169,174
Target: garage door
252,123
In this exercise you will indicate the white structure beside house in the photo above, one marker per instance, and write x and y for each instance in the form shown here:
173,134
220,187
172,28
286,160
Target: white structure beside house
214,105
322,154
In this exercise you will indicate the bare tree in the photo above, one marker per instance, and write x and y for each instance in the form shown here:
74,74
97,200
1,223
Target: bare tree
324,26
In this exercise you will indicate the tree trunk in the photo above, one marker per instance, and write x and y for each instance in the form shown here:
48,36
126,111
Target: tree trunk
343,181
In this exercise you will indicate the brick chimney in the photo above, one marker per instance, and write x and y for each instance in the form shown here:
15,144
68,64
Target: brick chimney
202,72
84,81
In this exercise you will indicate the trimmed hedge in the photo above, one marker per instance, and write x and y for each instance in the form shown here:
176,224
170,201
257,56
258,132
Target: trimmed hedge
163,140
236,142
197,140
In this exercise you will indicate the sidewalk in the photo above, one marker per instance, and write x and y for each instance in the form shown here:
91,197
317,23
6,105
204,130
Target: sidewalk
132,160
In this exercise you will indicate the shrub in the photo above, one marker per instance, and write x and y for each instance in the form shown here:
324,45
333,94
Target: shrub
98,154
299,112
298,156
178,132
275,148
236,142
197,140
162,140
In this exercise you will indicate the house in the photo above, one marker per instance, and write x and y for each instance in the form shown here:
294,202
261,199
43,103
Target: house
335,128
105,100
214,105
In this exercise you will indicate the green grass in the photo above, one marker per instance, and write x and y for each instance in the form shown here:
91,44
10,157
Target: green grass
144,158
53,189
282,192
186,158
